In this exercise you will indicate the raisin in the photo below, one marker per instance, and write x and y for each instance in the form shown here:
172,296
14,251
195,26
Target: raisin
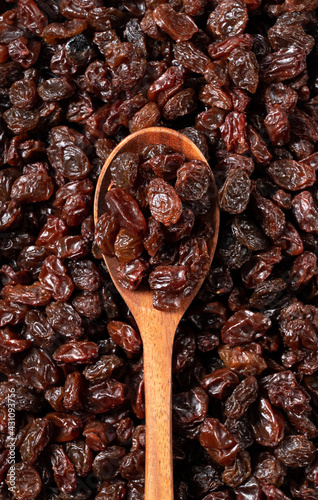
194,257
124,170
40,370
260,266
112,490
250,487
258,146
182,228
168,278
106,231
218,441
24,51
290,241
13,342
33,18
64,319
53,276
229,18
209,121
305,211
216,72
125,336
38,436
35,294
81,456
24,481
213,95
104,368
241,398
220,383
277,126
282,64
56,89
218,50
85,275
233,132
182,103
271,218
106,463
154,237
193,180
303,125
285,97
21,120
98,435
105,395
97,82
23,94
242,430
128,247
87,304
248,233
232,161
54,32
296,451
72,163
269,470
126,210
76,352
268,424
281,37
286,393
79,50
246,360
164,202
296,175
235,193
244,326
73,391
130,274
191,57
165,166
303,269
179,26
64,472
243,69
239,471
72,247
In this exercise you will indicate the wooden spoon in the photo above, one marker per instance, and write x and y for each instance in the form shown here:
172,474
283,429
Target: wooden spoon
157,328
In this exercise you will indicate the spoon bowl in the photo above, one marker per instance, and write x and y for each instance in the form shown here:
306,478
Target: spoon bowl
157,328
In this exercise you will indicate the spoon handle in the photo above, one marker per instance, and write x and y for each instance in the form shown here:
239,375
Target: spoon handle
158,403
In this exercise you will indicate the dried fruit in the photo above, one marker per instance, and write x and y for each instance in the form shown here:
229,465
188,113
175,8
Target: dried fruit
218,441
238,78
178,25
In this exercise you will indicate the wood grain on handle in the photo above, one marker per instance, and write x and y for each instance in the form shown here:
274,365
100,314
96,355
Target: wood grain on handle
158,404
159,474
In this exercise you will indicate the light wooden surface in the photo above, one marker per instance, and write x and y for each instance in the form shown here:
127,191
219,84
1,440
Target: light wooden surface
157,328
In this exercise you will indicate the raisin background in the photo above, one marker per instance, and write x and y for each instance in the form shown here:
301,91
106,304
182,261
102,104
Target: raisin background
239,78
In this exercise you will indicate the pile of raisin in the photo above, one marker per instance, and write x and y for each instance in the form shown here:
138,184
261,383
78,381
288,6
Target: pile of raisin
240,79
159,237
